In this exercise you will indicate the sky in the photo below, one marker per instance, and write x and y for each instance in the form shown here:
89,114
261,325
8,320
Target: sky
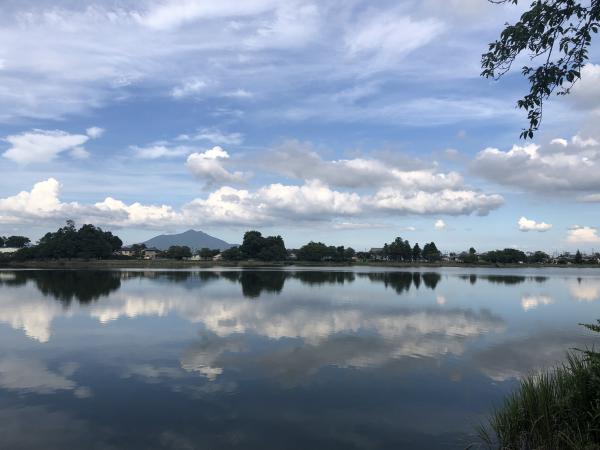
350,122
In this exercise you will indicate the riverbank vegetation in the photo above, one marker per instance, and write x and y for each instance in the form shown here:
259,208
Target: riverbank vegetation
554,410
91,242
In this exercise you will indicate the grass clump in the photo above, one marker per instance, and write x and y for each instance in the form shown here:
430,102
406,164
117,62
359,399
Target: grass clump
555,410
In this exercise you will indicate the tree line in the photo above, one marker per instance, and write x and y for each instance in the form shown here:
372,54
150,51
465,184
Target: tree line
91,242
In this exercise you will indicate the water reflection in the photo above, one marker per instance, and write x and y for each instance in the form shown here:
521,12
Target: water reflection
386,359
585,289
533,301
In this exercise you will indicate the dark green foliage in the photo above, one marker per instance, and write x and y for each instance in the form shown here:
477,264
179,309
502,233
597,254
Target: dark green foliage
469,257
15,241
255,246
178,252
539,257
68,242
557,31
398,250
232,254
578,258
431,252
555,410
416,252
506,256
208,253
317,251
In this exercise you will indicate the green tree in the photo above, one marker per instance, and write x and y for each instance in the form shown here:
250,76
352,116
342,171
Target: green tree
539,257
232,254
255,246
178,252
416,252
431,252
506,256
208,253
16,241
314,251
578,257
557,33
68,242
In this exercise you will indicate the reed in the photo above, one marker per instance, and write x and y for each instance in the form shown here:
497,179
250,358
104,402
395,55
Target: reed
554,410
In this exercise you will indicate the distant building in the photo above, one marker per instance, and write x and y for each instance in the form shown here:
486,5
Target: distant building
127,251
151,253
377,254
218,257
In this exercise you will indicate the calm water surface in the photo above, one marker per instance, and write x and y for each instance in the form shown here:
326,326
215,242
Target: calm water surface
286,359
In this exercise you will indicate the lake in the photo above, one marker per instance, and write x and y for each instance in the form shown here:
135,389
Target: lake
298,358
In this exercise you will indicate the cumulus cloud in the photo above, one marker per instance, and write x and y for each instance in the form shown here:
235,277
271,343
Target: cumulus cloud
531,225
439,224
301,161
274,203
398,190
583,235
43,202
561,167
44,145
209,166
446,201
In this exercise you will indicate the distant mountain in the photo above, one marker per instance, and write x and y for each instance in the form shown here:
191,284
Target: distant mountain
193,239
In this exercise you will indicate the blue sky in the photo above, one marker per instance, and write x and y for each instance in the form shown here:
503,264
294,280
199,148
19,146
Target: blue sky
351,122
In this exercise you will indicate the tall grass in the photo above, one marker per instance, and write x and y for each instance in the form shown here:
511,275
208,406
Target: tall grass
555,410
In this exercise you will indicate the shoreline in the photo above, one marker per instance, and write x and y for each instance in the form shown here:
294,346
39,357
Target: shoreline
184,264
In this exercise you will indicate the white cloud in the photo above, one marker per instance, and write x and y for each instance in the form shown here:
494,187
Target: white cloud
585,94
94,132
118,213
189,88
559,141
159,151
544,169
79,153
215,136
446,201
583,235
531,225
439,224
209,166
584,142
301,161
382,39
173,13
41,202
266,205
44,145
239,93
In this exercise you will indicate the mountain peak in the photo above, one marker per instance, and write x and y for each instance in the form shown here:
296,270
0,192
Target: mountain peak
192,238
